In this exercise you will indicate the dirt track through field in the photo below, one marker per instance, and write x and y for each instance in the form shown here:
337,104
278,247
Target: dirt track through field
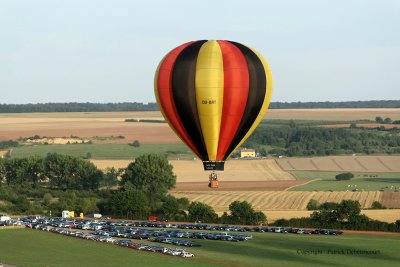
342,163
239,186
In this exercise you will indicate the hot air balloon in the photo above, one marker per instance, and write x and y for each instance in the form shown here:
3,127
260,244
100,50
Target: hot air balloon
213,94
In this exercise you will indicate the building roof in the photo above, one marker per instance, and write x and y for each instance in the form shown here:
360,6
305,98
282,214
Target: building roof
248,150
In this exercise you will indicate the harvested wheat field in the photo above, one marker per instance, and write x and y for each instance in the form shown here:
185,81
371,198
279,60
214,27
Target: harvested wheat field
333,114
276,200
89,124
387,215
235,170
87,127
108,163
342,163
390,199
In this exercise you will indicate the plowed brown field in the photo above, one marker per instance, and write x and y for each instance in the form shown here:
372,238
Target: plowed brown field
342,163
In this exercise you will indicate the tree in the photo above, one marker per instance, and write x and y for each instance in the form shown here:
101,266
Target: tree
241,212
170,207
348,209
130,204
151,174
135,143
259,218
377,206
201,212
2,171
387,121
110,177
67,172
325,218
379,119
312,205
88,205
47,198
344,176
328,206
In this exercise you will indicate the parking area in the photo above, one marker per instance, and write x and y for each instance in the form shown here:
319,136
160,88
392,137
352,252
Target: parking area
162,237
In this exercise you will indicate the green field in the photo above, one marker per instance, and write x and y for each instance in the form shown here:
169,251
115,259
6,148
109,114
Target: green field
25,247
105,151
332,174
325,181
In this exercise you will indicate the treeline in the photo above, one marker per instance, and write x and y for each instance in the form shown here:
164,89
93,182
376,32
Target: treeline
291,140
8,144
344,104
345,215
135,106
77,107
55,170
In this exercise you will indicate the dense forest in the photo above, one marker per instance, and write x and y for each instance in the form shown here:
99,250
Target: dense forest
134,106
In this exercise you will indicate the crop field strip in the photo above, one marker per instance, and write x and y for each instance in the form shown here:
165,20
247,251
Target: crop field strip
280,200
390,199
342,163
235,170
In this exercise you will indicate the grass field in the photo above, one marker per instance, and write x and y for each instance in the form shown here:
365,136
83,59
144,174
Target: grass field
360,184
47,249
105,151
332,174
362,181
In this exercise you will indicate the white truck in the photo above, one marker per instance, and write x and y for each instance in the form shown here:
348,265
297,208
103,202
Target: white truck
4,218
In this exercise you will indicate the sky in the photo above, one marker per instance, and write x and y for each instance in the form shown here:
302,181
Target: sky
107,51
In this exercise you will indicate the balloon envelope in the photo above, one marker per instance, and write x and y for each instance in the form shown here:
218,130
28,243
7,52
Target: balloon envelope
213,94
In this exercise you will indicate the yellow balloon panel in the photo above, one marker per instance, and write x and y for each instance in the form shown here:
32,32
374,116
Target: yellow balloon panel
209,84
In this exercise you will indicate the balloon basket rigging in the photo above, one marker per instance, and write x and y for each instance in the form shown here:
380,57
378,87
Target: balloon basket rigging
213,180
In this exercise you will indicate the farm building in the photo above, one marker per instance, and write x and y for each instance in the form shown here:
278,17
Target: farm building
248,153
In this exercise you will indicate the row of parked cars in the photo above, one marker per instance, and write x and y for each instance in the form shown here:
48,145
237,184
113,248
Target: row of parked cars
130,229
109,239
